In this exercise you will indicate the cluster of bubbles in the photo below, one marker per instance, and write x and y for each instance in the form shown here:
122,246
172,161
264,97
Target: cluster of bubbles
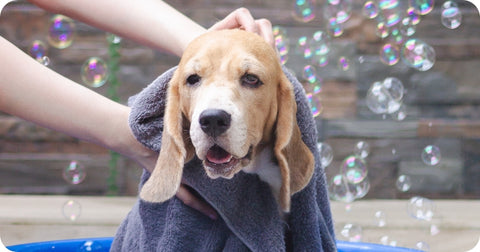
94,73
351,182
74,173
39,50
61,31
396,23
385,97
386,240
60,35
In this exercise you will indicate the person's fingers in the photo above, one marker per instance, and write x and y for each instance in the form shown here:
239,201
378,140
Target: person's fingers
239,18
190,200
264,27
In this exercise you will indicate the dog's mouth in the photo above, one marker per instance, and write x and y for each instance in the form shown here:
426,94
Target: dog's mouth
220,162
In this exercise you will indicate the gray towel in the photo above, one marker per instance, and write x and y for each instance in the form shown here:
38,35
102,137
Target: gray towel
249,219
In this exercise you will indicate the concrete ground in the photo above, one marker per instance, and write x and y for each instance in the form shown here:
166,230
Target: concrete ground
455,225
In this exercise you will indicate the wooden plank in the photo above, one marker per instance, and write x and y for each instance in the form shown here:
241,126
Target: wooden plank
458,128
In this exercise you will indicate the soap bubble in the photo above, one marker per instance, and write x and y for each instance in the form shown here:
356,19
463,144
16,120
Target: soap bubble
382,30
281,42
390,54
434,230
304,48
370,9
397,36
354,168
390,11
384,240
352,232
61,31
418,54
361,149
423,246
320,61
403,183
422,7
451,15
380,101
362,188
112,38
38,50
45,60
391,16
320,43
394,87
74,173
380,219
343,63
310,74
387,4
407,28
72,210
340,190
315,104
326,153
304,10
314,83
91,246
421,208
400,114
431,155
414,17
334,28
340,10
94,72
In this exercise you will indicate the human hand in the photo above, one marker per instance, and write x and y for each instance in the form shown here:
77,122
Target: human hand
242,18
194,202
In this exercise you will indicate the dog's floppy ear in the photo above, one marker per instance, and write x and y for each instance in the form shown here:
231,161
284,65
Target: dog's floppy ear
295,160
176,149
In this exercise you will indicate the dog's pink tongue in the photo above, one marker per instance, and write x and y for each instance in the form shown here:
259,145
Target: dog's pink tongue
218,155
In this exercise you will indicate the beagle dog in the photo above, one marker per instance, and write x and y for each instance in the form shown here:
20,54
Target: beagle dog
230,104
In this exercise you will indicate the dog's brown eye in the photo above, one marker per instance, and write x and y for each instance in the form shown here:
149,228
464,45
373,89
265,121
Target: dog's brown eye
193,79
251,80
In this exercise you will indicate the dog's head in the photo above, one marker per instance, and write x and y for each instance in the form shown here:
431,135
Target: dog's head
228,99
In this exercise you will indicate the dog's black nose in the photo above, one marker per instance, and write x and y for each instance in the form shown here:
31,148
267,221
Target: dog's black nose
214,122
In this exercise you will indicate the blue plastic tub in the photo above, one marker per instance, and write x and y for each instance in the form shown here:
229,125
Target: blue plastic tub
103,245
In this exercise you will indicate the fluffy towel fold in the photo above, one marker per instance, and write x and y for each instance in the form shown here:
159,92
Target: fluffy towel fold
249,219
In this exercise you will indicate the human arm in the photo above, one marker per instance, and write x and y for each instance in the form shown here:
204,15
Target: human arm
151,22
35,93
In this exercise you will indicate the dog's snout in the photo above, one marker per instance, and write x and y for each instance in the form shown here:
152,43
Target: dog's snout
214,122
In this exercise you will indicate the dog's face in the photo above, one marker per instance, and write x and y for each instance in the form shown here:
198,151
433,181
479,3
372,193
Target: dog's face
227,101
228,95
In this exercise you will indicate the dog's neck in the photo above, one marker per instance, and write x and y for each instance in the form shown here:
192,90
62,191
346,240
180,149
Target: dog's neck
265,165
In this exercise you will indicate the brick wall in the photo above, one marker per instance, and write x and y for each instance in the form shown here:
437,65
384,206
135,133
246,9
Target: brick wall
441,104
